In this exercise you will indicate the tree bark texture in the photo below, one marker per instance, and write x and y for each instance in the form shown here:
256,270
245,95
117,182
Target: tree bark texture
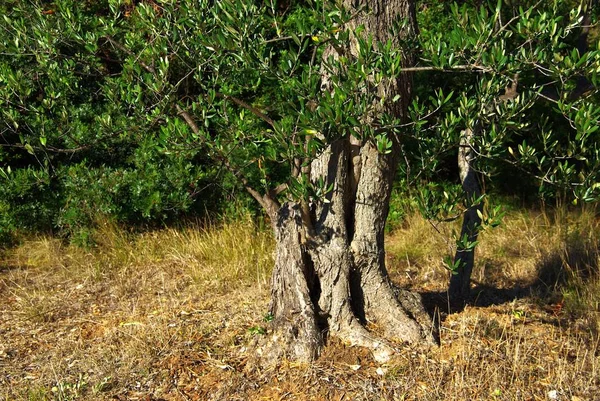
332,281
460,281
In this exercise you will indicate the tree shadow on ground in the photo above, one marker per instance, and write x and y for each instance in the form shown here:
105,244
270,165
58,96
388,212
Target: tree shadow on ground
437,302
7,267
576,261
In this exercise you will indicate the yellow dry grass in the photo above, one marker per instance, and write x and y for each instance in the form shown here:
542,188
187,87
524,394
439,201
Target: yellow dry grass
170,314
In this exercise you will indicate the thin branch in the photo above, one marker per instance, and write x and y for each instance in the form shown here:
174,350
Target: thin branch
53,149
284,38
248,107
188,119
48,148
555,101
279,189
392,126
461,67
516,165
119,46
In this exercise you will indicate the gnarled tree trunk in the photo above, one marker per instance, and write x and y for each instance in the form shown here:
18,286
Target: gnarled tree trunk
330,276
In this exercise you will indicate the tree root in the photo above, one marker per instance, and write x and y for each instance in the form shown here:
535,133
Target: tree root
299,341
356,335
400,313
413,304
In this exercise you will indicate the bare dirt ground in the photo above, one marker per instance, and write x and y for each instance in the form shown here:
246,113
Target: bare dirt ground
173,324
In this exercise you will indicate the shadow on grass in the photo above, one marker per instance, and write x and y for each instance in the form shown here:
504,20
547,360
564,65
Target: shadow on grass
574,264
6,268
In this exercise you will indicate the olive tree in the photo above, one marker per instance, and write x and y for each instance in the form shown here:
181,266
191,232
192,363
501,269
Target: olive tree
341,150
308,105
303,103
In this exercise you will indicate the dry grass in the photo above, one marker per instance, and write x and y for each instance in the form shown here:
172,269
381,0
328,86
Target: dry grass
168,315
78,323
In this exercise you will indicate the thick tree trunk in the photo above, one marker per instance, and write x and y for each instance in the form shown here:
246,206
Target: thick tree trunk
330,276
460,281
296,332
400,313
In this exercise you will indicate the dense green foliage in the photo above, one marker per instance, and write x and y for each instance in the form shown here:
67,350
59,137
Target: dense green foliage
74,148
94,99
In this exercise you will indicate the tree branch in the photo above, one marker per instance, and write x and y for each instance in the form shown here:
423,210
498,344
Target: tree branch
248,107
48,148
119,46
461,67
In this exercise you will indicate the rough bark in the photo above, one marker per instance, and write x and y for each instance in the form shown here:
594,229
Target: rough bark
399,313
460,281
296,332
330,276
